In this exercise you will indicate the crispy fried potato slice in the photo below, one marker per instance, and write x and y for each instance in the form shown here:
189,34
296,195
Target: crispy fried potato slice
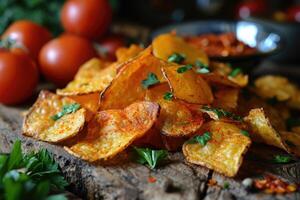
112,131
125,53
39,124
262,129
92,77
127,87
188,86
175,119
240,79
219,80
167,44
226,98
292,139
223,153
270,86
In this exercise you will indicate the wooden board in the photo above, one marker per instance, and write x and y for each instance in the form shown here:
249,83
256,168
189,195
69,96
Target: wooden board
175,180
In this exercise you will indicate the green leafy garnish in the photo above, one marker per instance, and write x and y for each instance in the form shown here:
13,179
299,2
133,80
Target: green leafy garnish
176,58
66,109
282,159
235,72
168,96
292,122
184,68
201,139
226,185
149,156
151,80
245,133
220,113
203,70
200,64
29,176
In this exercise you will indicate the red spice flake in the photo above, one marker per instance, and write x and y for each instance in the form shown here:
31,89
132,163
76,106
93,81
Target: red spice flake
151,179
273,185
212,182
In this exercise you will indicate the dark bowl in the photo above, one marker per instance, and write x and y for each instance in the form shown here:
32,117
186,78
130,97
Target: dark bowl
262,37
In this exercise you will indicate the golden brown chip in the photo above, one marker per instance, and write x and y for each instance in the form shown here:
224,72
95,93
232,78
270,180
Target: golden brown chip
262,129
240,79
123,54
167,44
175,119
292,139
112,131
127,87
270,86
226,99
219,80
93,76
223,152
39,124
188,86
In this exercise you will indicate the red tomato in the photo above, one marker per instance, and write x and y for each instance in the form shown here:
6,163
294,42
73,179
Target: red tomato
88,18
18,77
61,58
251,8
293,14
109,45
30,35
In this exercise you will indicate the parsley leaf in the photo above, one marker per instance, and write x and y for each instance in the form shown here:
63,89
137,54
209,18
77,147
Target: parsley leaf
245,133
151,80
282,159
168,96
203,70
66,109
226,185
149,156
201,139
184,68
235,72
200,64
176,58
220,113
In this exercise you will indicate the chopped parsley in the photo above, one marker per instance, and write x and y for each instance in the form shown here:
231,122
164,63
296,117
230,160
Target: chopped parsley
168,96
282,159
203,70
184,68
201,67
200,64
66,109
220,113
150,80
176,58
235,72
150,157
201,139
245,133
226,185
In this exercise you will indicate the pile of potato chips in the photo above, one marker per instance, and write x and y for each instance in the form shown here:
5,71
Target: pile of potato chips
167,96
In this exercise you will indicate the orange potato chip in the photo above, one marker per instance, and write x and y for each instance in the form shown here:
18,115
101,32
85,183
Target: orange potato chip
226,98
188,86
123,54
219,80
223,152
112,131
175,119
38,122
167,44
93,76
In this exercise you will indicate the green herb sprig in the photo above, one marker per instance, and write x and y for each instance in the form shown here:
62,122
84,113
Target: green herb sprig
176,58
245,133
66,109
235,72
282,159
184,68
201,139
168,96
150,157
150,80
220,113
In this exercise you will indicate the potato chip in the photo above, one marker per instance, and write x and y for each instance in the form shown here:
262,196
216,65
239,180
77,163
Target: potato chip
270,86
240,79
188,86
262,129
175,119
292,139
39,122
167,44
127,87
112,131
224,150
123,54
219,80
92,77
226,98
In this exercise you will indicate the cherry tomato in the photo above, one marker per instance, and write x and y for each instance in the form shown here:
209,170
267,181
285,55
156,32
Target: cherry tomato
61,58
18,77
88,18
293,14
28,34
109,45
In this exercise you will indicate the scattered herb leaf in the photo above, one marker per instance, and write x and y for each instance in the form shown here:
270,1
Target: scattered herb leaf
176,58
168,96
201,139
226,185
150,80
282,159
203,70
200,64
66,109
235,72
245,133
149,156
222,113
184,68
